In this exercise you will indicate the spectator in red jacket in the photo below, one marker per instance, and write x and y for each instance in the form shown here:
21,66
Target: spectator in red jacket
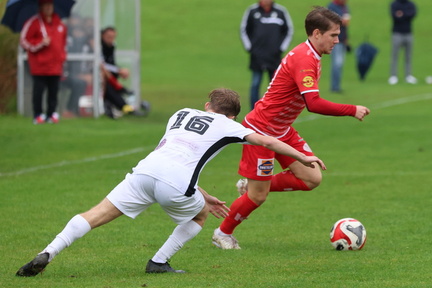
44,38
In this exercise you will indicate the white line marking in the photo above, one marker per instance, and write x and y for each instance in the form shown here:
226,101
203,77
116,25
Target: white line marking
378,106
382,105
85,160
402,101
359,174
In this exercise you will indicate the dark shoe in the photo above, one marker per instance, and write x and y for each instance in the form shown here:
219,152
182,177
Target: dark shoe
34,267
145,107
137,113
153,267
143,111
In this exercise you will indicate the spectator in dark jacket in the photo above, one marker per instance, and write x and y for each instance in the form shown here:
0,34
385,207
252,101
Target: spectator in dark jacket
402,12
266,31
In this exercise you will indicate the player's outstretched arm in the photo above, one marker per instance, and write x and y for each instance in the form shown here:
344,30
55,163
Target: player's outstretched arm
216,207
316,104
285,149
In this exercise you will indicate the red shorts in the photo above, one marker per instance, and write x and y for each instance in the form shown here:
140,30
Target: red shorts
257,162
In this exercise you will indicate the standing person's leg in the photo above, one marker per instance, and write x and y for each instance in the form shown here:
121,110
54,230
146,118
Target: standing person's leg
255,87
409,39
337,60
396,44
37,95
271,73
53,83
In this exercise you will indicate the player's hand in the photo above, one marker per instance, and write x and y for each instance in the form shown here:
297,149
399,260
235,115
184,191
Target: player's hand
123,73
361,112
46,41
217,207
309,161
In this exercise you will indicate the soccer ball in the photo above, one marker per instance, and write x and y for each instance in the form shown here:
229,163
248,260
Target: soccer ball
348,234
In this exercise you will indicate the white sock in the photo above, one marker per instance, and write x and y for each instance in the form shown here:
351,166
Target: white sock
75,229
181,234
219,232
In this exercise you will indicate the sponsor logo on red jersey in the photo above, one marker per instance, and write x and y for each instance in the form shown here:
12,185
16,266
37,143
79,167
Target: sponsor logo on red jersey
265,167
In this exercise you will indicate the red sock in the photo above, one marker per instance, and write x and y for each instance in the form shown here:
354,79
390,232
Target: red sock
240,210
287,181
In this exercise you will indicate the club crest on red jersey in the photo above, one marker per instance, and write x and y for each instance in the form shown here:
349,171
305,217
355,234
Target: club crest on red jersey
308,81
265,167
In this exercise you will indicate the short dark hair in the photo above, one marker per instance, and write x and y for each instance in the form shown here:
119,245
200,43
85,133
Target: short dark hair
225,101
108,28
321,18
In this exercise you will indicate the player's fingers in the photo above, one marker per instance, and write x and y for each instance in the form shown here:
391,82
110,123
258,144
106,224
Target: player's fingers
217,214
323,166
222,214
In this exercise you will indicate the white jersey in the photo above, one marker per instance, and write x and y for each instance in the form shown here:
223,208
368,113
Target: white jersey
192,138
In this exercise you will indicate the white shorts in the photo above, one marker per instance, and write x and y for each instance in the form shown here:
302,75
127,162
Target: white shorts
137,192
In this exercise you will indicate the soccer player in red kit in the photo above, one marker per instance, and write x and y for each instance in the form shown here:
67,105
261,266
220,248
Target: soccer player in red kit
293,88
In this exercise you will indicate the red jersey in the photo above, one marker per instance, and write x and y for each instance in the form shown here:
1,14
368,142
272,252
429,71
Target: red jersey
44,60
297,75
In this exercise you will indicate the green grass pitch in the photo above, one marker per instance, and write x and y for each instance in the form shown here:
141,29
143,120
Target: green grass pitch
379,170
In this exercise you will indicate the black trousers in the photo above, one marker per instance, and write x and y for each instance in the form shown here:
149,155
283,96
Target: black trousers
113,96
39,85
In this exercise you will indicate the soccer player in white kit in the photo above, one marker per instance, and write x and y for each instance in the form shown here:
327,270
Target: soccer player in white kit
169,176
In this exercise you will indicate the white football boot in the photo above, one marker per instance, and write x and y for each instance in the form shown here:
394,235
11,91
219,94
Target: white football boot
242,186
225,242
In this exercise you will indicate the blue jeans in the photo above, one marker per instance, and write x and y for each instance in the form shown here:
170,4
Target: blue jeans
257,76
337,61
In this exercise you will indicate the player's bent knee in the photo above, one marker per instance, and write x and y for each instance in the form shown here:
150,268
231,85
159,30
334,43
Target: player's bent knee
258,198
313,182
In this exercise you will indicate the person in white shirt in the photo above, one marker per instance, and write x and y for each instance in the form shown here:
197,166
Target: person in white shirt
169,176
